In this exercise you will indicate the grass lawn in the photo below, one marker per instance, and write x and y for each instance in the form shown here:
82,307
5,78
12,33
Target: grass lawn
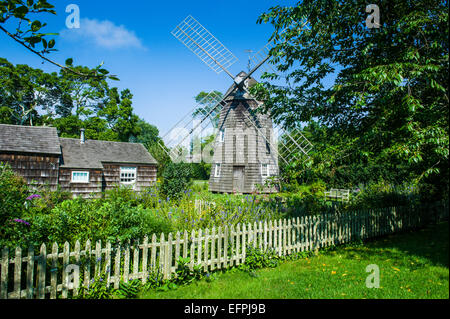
412,265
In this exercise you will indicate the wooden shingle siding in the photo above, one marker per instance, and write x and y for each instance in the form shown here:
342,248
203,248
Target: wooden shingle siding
81,189
34,168
146,175
244,145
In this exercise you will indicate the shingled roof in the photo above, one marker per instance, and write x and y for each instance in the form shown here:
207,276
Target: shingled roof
92,153
29,139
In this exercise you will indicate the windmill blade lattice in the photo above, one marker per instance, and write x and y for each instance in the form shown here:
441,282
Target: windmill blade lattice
200,41
198,123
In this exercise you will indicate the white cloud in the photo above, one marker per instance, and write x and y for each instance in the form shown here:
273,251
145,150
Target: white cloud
104,34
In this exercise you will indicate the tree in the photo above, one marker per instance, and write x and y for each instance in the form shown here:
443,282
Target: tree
22,90
206,108
389,101
29,33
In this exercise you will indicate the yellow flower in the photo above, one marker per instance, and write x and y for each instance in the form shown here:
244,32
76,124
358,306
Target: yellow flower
333,272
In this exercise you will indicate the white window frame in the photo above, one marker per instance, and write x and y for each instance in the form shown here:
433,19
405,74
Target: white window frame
265,172
85,180
222,135
217,169
128,170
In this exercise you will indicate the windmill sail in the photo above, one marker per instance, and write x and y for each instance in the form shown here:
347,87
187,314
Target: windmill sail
197,124
200,41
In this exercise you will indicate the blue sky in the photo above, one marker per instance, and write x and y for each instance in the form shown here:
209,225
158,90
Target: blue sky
133,39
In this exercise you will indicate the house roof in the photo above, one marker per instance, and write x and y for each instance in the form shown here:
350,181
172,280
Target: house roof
93,153
29,139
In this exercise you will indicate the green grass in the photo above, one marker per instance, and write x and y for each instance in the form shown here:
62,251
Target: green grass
412,265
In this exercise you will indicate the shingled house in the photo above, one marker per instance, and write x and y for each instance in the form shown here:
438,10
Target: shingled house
80,166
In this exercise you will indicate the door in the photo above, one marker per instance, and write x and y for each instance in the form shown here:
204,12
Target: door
238,179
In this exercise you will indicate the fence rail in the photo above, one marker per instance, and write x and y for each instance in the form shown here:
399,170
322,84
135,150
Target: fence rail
60,274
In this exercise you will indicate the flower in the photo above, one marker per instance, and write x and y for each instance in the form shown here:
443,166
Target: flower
31,197
21,221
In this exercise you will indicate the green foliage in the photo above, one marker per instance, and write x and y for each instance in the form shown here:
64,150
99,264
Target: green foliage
96,289
184,275
13,194
257,258
176,179
129,290
387,111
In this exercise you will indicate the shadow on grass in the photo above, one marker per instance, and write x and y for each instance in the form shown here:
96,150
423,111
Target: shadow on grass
430,245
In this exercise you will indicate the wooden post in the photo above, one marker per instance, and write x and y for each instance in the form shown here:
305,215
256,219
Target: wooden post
168,256
87,265
192,254
153,262
225,247
42,267
135,261
213,246
219,248
206,254
244,244
76,279
126,263
199,249
54,272
177,248
30,273
108,263
65,280
145,260
4,277
117,266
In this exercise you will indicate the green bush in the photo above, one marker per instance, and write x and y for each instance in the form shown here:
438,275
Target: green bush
176,180
14,192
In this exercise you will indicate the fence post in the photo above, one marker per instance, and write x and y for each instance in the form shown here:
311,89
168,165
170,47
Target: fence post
54,271
126,262
213,248
42,267
225,247
76,280
4,278
168,257
192,254
117,266
219,247
87,265
145,260
206,254
199,249
66,254
108,263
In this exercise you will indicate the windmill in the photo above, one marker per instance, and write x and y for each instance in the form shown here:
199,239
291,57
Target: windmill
247,147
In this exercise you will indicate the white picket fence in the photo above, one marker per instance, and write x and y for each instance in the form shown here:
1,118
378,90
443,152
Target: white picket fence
60,274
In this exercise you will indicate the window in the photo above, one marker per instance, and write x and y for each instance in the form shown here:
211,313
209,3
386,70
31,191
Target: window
222,135
128,175
80,177
217,170
265,170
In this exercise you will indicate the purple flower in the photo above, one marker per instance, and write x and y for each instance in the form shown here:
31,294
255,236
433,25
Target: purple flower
21,221
33,196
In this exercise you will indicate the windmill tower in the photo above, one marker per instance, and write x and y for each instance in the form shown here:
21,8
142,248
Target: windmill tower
248,146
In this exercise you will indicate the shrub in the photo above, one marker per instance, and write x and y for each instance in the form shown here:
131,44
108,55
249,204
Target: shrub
13,195
176,179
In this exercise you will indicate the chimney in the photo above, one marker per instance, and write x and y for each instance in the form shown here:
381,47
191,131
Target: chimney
82,139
